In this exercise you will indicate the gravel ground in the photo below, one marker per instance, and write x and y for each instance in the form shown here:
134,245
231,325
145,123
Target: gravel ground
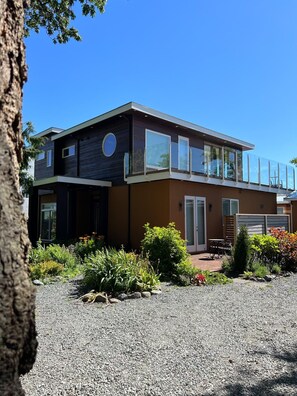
238,339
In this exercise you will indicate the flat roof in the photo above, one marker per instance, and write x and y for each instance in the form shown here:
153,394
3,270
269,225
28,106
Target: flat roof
159,115
48,131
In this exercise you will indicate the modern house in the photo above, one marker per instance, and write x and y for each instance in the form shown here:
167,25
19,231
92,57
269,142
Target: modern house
133,165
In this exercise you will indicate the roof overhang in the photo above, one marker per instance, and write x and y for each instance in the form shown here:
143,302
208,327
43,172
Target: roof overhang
71,180
132,106
292,196
49,131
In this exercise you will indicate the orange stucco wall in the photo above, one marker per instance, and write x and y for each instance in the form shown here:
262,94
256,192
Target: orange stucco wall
161,202
254,202
149,204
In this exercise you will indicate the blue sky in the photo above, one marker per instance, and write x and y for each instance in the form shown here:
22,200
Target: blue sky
227,65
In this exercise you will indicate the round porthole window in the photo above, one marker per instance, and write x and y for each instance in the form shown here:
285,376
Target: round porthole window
109,144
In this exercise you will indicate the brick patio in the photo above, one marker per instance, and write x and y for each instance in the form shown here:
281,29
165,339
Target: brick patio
205,262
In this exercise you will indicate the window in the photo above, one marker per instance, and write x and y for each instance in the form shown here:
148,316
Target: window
213,161
230,206
48,221
183,153
229,164
157,147
68,151
49,154
109,144
40,156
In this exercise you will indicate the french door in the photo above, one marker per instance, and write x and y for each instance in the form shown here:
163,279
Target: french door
195,223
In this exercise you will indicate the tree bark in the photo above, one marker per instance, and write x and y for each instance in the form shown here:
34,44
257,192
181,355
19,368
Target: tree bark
17,300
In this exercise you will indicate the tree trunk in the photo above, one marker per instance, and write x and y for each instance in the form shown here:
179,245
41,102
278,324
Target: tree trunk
17,322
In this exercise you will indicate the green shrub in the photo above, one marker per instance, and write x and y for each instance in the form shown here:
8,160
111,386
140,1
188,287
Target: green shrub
247,274
276,269
265,248
185,273
259,269
61,255
242,252
166,249
227,265
88,245
216,278
45,269
54,252
115,271
38,254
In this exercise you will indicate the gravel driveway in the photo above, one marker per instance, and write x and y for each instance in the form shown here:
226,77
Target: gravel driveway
237,339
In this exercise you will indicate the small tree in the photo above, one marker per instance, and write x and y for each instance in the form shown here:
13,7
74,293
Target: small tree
242,252
31,148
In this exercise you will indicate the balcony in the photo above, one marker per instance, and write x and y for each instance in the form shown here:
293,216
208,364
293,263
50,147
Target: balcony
215,165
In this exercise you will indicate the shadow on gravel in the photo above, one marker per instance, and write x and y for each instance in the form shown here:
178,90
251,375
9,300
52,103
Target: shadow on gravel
270,386
76,290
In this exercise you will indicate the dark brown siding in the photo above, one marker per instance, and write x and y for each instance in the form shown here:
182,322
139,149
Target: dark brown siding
41,171
89,161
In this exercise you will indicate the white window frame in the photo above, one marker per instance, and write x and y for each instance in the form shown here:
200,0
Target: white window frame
40,156
49,158
230,200
68,148
180,138
155,166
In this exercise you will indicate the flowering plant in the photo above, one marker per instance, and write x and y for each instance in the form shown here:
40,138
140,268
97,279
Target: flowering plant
200,279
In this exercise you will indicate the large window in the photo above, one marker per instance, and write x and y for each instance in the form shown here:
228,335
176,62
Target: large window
183,153
230,206
213,160
48,221
157,148
229,164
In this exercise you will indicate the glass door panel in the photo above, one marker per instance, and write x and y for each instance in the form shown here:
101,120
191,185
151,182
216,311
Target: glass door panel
195,223
200,207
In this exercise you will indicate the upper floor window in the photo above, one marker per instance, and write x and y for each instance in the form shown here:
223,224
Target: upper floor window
49,158
230,206
183,153
109,144
213,160
68,151
229,163
40,156
157,146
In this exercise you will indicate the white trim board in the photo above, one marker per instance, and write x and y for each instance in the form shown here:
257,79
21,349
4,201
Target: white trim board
72,180
200,179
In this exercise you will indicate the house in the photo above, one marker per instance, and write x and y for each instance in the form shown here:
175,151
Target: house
292,200
283,204
133,165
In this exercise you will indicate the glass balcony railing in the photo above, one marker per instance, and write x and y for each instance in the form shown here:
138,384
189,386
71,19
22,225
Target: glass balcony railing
223,164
